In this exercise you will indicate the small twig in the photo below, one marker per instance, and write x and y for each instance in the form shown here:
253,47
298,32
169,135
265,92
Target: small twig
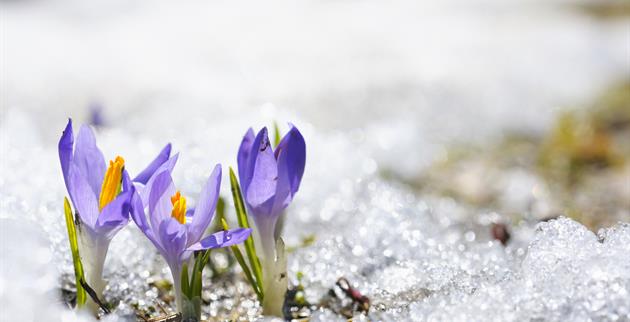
161,307
354,294
176,317
140,316
94,297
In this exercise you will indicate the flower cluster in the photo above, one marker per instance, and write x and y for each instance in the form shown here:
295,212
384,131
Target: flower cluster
104,198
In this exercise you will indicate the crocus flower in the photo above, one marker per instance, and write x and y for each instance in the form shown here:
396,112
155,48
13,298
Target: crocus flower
96,115
101,197
176,232
269,181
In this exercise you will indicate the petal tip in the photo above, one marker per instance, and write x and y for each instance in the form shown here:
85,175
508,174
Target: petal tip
167,149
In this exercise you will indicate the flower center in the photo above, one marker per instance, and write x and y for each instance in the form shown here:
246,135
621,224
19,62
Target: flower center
112,182
179,207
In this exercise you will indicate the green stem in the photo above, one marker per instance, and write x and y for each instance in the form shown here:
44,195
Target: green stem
241,215
241,261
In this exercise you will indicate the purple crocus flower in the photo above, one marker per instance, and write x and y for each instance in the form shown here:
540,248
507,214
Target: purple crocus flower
176,232
96,114
101,197
269,181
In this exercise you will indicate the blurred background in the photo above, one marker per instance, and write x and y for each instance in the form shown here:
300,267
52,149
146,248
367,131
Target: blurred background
444,95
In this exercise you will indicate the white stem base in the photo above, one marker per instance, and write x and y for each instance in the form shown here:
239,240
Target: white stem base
176,272
275,280
93,253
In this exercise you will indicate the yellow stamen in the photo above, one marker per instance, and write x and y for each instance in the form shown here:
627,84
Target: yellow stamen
112,182
179,207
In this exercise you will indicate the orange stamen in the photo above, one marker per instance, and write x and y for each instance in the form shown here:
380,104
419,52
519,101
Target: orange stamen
179,207
112,182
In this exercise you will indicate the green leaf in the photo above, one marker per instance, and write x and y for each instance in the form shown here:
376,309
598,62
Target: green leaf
74,248
241,261
205,258
191,310
195,281
221,207
276,134
191,287
241,215
184,281
219,213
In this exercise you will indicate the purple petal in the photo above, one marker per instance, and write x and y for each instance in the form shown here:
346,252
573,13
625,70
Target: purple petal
82,196
167,166
294,148
114,216
160,206
126,181
242,159
172,236
66,144
222,239
190,212
89,159
262,186
205,207
251,155
139,217
162,157
283,195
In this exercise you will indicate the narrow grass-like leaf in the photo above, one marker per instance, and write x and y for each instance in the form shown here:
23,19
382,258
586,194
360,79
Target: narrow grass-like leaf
241,215
219,213
276,134
195,281
74,248
206,257
193,278
241,261
221,207
184,281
